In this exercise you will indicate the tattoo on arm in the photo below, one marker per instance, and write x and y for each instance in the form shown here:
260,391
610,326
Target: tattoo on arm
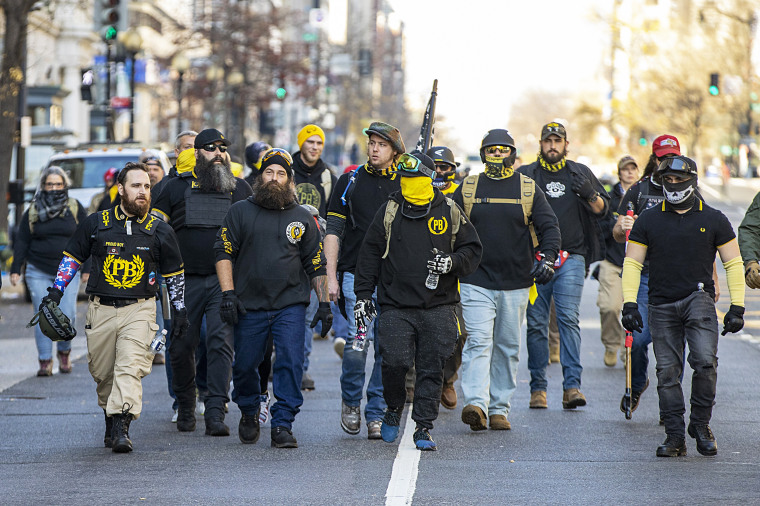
176,286
319,284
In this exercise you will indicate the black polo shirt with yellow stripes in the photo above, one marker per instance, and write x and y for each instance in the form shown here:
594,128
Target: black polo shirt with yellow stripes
681,248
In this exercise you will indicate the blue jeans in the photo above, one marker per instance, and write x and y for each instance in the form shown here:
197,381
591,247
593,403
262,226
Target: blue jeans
352,376
641,340
693,320
493,319
38,283
340,325
567,287
311,310
251,334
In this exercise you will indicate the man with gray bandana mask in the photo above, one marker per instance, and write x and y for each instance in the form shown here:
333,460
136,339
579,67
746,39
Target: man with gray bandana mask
195,204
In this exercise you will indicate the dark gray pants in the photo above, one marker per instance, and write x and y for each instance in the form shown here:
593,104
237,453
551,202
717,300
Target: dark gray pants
203,296
692,319
425,339
454,362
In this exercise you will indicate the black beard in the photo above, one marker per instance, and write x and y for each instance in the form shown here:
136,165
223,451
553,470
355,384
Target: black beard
215,175
132,207
272,195
553,157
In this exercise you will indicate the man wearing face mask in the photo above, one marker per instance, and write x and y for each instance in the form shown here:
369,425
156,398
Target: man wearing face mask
195,204
416,233
681,299
508,211
578,200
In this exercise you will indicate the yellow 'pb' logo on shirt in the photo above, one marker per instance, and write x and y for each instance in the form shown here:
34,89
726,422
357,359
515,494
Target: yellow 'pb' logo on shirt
438,226
121,273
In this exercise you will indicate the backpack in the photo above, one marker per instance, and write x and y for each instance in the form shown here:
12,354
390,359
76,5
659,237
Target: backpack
390,215
34,215
470,186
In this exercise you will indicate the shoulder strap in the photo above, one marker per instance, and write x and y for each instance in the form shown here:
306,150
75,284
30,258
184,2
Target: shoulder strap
327,182
527,186
34,214
74,209
390,215
469,187
456,220
105,219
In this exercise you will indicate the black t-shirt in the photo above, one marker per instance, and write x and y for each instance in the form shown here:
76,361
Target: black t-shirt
681,248
567,206
507,245
369,193
196,244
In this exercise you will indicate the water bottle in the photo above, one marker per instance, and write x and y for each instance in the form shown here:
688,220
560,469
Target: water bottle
431,283
158,342
360,341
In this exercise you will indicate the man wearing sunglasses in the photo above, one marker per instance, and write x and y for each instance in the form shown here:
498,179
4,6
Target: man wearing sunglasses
355,200
578,200
681,299
495,296
195,204
416,234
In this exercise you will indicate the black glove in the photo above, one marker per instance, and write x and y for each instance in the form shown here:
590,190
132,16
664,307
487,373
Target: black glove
54,295
632,321
230,307
543,271
179,324
324,314
734,320
583,187
364,312
440,264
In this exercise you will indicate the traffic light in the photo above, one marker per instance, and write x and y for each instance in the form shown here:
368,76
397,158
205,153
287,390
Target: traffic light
280,93
86,87
714,84
110,18
642,141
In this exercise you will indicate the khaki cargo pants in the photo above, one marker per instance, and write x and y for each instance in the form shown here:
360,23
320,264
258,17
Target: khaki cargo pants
118,352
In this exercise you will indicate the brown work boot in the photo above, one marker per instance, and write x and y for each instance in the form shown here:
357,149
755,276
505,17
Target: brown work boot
610,358
474,417
538,400
449,397
499,422
64,364
46,368
554,354
572,398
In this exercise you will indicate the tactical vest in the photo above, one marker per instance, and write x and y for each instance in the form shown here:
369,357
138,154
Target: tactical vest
124,265
204,209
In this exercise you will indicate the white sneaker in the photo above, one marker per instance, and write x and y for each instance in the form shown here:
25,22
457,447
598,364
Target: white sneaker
264,411
174,416
200,408
338,344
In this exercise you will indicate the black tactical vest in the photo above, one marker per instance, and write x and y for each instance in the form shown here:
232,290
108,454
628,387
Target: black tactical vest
124,265
205,210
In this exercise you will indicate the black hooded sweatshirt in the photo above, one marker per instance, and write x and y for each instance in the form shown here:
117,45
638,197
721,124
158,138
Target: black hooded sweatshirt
311,184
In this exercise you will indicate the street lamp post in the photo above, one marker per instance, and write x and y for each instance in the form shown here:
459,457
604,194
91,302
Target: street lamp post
132,42
181,64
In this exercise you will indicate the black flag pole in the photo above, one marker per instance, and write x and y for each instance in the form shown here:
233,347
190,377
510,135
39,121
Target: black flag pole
426,132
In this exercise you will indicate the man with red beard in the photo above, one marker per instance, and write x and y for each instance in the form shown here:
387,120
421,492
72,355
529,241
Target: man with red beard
270,298
195,204
129,249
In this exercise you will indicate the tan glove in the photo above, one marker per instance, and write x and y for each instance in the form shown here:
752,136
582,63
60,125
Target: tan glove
752,274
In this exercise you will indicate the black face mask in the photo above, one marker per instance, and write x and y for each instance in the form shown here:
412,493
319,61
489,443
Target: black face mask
680,195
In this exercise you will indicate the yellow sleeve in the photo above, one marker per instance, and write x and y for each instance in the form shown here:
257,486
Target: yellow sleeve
632,279
735,279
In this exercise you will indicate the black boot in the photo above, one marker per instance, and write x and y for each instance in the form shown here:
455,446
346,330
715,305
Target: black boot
109,428
674,446
283,438
120,433
248,429
186,417
215,425
706,444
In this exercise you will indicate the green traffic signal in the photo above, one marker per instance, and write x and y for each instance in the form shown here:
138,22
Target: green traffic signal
714,91
280,93
714,88
642,141
110,33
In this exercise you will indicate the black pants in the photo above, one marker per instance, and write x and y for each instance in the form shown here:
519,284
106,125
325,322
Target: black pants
203,296
425,339
455,360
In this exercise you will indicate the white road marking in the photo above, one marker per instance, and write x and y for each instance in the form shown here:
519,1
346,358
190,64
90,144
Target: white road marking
404,476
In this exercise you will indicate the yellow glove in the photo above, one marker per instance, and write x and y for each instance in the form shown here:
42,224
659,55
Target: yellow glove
752,274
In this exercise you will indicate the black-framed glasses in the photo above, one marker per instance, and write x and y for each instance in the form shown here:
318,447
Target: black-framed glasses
213,147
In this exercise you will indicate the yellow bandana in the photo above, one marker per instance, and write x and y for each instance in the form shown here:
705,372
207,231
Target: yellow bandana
417,190
186,161
551,167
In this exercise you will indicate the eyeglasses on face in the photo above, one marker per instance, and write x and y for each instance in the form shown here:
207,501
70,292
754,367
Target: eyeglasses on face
55,186
213,147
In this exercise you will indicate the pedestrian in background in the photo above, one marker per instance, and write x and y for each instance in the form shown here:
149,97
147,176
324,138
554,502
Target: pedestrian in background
43,232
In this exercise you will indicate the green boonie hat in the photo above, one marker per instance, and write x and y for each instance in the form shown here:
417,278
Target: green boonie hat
53,323
388,132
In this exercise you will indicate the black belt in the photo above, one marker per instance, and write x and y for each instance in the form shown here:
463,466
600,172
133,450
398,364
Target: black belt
115,302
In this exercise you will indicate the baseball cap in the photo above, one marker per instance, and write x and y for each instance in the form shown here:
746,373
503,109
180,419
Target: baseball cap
626,160
665,145
553,128
209,136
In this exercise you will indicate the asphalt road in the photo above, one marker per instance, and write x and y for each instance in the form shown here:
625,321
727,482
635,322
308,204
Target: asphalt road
52,429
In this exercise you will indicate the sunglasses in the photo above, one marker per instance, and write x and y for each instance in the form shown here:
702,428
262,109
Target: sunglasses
410,163
213,147
502,149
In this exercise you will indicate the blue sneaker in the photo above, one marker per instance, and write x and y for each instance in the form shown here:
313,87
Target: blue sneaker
391,422
423,441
